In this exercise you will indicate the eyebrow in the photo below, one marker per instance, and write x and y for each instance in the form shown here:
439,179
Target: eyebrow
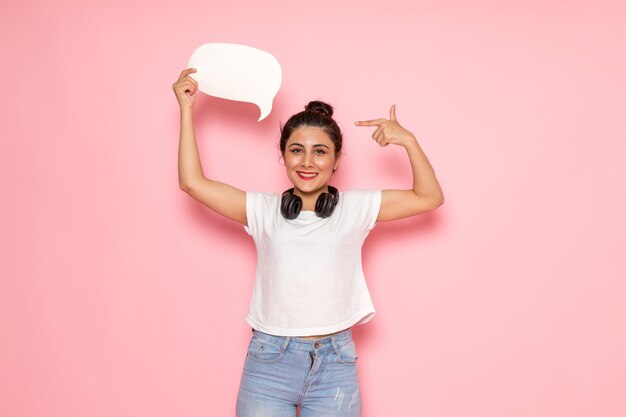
317,144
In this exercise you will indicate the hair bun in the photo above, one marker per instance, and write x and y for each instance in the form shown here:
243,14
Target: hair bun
320,107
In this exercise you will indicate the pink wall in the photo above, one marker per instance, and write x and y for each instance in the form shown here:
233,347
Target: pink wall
121,296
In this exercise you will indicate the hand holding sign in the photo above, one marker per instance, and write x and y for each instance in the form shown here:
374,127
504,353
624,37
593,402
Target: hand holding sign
185,89
237,72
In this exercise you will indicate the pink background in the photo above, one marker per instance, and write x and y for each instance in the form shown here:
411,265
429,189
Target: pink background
121,296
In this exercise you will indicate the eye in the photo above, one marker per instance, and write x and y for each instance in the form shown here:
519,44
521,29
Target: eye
321,151
295,150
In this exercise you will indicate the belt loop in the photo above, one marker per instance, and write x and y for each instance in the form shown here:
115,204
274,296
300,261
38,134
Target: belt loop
285,343
333,340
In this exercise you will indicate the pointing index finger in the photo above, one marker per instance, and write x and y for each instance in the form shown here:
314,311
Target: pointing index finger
374,122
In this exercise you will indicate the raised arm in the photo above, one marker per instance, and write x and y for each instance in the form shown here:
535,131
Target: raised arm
426,193
218,196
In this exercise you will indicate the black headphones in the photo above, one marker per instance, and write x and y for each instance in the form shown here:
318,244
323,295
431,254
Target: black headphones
291,204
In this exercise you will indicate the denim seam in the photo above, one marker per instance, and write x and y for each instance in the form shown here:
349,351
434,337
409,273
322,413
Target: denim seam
279,357
347,362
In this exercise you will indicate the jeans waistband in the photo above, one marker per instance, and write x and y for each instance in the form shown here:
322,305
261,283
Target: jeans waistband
296,343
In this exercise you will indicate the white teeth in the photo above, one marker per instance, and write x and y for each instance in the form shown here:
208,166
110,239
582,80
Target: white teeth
306,175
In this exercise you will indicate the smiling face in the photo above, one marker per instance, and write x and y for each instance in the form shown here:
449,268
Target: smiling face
309,161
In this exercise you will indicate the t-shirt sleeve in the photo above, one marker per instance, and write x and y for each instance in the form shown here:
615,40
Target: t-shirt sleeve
365,207
373,207
259,206
253,213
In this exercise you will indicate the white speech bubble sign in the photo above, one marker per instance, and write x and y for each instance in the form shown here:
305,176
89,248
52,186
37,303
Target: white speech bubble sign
237,72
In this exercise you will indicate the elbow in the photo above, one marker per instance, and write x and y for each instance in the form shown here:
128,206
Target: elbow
428,203
187,182
439,200
190,185
185,186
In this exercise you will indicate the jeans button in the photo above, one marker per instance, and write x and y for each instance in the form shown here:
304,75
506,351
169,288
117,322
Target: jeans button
316,345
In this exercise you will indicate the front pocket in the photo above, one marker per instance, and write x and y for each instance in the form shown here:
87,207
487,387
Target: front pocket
347,353
261,351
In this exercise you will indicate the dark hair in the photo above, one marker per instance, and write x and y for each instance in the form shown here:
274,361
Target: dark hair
315,114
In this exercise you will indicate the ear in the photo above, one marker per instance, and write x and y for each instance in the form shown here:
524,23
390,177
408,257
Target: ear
337,162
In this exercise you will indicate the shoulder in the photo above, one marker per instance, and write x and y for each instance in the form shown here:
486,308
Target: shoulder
361,195
360,192
262,199
263,194
259,208
363,206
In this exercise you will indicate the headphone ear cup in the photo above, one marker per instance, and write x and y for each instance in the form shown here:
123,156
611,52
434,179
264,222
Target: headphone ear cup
290,204
326,202
323,205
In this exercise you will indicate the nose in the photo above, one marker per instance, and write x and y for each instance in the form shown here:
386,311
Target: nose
307,160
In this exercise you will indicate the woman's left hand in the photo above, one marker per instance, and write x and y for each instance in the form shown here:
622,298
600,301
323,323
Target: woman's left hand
389,130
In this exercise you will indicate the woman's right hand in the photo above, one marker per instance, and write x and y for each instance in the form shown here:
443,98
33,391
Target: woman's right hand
185,89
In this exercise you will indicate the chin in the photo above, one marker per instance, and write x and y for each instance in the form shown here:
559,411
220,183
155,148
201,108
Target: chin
310,188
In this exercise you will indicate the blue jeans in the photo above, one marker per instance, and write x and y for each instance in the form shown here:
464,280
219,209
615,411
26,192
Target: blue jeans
281,372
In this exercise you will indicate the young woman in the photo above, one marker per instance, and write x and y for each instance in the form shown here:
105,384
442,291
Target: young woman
309,288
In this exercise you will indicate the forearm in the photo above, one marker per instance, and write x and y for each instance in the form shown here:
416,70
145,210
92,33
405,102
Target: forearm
189,166
425,182
218,196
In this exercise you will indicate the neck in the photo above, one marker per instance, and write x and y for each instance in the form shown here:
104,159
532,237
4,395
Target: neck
309,199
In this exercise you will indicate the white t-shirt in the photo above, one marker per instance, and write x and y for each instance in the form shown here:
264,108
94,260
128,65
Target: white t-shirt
309,278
